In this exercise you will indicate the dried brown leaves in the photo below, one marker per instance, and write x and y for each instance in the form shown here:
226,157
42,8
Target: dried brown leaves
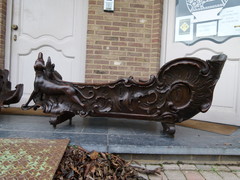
78,164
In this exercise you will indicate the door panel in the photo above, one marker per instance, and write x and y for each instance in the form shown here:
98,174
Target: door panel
57,28
40,19
226,101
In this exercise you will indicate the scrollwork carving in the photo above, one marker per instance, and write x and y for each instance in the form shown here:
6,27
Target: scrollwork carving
182,88
8,96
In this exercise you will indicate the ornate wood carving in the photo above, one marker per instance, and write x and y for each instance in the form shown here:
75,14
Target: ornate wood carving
8,96
181,89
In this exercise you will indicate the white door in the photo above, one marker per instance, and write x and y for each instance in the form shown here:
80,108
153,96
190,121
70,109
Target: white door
57,28
226,102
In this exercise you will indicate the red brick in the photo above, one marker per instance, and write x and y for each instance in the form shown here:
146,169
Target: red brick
136,35
126,58
127,19
137,6
127,49
103,32
119,43
120,24
111,28
103,23
137,15
101,62
111,38
134,54
123,36
128,10
103,42
127,39
136,25
135,44
120,14
118,73
101,52
119,33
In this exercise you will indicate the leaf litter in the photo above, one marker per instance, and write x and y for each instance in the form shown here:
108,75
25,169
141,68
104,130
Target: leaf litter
79,164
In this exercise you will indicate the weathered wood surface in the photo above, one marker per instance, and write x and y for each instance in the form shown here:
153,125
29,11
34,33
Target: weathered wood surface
182,88
8,96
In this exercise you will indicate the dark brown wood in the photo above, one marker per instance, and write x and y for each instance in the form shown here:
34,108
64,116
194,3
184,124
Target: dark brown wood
182,88
8,96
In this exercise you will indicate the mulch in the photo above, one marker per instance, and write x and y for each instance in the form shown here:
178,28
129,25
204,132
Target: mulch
79,164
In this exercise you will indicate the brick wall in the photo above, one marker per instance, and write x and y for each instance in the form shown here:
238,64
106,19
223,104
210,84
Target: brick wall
3,4
119,44
123,43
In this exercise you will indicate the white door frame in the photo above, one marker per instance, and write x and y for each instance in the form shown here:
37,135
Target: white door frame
8,36
7,60
164,32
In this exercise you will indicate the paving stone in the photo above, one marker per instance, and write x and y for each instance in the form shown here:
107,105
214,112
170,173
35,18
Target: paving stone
170,167
237,173
220,168
204,167
152,167
187,167
234,168
173,174
138,165
210,175
127,136
193,175
228,175
157,177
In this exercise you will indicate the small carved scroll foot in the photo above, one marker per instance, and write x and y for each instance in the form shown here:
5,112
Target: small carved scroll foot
53,122
169,128
61,118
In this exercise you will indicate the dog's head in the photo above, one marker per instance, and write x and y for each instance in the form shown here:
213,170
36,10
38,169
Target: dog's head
39,63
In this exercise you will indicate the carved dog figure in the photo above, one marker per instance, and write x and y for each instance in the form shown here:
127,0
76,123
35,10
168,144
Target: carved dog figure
182,88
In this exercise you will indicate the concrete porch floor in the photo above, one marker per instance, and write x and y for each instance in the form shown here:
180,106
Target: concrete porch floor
132,139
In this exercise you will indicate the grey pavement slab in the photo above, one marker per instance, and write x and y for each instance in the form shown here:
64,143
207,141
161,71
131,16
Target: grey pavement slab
187,167
123,136
172,175
228,175
193,175
211,175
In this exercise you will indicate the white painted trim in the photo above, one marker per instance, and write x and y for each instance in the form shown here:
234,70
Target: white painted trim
84,38
8,42
164,32
7,59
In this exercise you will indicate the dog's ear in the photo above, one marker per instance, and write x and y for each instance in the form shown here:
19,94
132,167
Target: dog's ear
40,55
49,64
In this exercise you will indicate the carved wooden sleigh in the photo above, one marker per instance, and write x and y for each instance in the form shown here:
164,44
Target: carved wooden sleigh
8,96
182,88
